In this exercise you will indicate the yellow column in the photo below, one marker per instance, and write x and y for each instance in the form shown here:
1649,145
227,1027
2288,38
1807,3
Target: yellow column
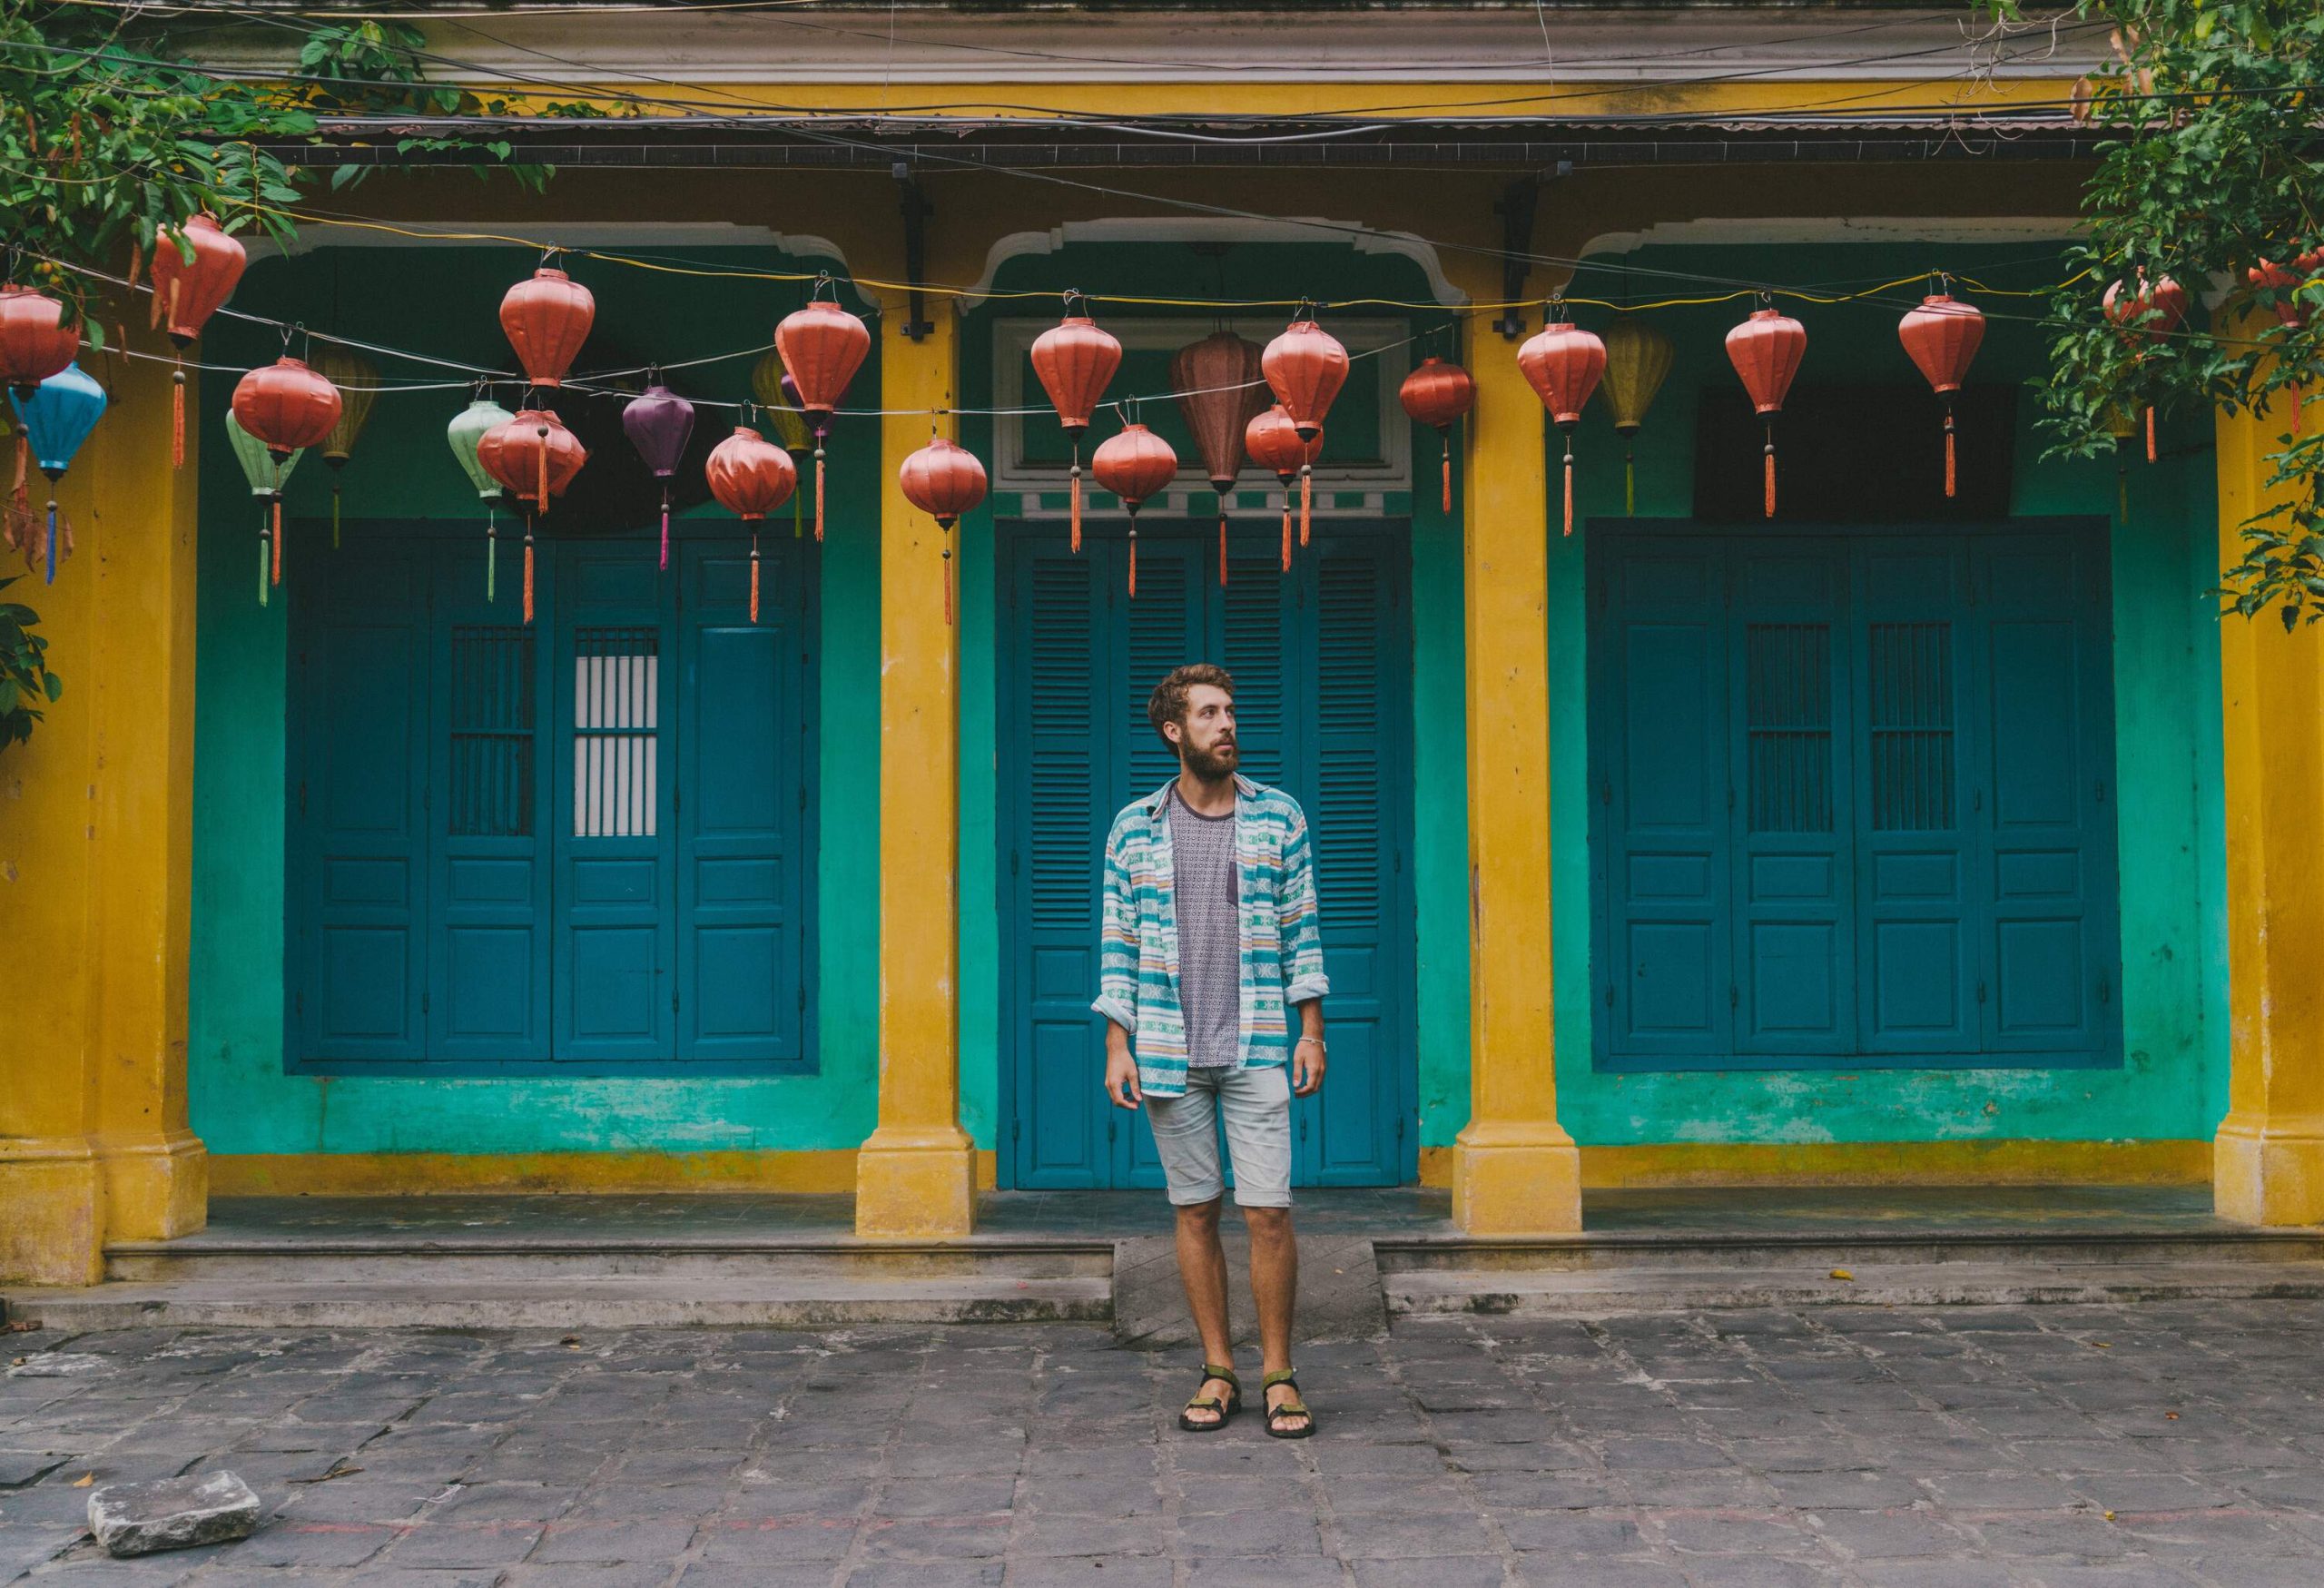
1515,1171
916,1174
95,849
2268,1161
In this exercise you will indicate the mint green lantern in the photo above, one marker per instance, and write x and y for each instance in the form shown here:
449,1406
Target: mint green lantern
464,433
267,479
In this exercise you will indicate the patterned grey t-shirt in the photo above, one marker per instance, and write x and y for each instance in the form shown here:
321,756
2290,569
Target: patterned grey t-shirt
1210,934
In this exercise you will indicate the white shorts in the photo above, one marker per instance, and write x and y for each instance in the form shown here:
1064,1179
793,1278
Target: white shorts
1256,1106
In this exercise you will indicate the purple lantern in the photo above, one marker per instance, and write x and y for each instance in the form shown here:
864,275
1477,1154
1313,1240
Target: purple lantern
658,422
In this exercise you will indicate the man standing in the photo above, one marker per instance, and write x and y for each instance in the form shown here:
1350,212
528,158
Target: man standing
1210,935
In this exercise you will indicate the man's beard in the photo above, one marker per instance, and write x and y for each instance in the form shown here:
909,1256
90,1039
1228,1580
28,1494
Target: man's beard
1213,764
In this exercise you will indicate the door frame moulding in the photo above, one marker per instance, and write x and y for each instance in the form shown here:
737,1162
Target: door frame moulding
1354,235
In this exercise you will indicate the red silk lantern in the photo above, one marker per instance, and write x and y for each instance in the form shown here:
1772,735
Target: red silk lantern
751,477
1563,364
1305,367
1134,465
534,457
944,480
822,347
1766,350
1438,394
286,406
1074,361
1273,444
1942,337
546,319
34,340
187,293
2153,310
1219,388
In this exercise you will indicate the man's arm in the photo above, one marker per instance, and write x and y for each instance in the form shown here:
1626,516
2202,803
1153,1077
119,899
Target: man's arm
1302,925
1118,977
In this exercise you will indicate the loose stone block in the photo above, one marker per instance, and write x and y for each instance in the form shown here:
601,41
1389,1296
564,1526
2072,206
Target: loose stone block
140,1519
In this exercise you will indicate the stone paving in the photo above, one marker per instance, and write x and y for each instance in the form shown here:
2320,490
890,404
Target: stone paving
2162,1443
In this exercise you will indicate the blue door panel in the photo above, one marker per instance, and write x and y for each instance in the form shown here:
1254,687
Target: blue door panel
492,863
1881,834
1316,659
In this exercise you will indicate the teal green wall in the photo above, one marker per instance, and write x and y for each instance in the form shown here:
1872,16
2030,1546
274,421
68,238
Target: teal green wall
2172,1082
1440,856
443,301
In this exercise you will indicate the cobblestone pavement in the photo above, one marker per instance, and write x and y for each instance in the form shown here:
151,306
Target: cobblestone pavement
2058,1446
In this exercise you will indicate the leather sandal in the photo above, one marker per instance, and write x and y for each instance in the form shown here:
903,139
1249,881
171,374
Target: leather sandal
1203,1403
1291,1406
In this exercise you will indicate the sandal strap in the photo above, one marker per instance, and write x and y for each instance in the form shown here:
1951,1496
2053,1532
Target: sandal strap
1203,1403
1289,1375
1211,1371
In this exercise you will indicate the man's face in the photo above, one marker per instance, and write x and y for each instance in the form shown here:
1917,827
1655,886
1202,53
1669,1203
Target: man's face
1205,736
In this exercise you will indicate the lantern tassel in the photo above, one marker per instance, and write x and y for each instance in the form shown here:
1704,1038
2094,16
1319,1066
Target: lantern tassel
1286,534
2149,435
491,558
819,493
1133,557
1569,487
528,574
544,476
1448,473
51,576
1630,482
665,533
754,575
1222,551
1769,452
1077,498
265,546
1307,501
1949,475
277,540
177,414
947,574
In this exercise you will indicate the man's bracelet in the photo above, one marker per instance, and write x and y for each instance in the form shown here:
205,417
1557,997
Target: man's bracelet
1304,1040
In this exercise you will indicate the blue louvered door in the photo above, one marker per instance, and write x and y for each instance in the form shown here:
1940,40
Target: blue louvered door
580,844
1850,799
1321,663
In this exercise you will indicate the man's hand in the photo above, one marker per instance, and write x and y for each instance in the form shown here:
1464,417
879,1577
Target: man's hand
1121,1070
1307,1053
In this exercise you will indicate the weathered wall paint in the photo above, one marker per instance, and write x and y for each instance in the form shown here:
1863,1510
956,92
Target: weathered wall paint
242,1101
2171,1084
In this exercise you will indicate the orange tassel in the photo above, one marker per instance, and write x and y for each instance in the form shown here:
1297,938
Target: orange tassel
1448,475
276,578
1077,501
1568,489
818,494
1132,560
177,416
1771,478
529,573
947,592
1306,500
1286,535
1948,454
2149,435
544,486
754,577
1222,551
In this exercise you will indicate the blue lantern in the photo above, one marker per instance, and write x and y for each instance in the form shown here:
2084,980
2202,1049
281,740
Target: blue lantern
57,417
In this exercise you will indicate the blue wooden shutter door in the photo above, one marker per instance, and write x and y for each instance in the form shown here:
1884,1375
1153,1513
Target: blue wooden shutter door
1662,805
359,810
1910,761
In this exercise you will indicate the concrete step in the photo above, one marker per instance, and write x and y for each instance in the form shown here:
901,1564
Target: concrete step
1588,1292
387,1259
1859,1247
568,1301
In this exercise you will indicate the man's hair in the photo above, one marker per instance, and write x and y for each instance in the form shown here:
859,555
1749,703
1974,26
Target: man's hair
1168,704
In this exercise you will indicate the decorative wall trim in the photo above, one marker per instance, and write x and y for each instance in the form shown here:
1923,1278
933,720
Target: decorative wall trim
1753,230
1306,229
2013,1162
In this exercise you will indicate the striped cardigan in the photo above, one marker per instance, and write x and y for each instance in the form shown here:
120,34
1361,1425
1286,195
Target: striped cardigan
1282,932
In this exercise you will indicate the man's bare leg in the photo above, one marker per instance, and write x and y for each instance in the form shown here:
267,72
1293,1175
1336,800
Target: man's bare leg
1274,1286
1202,1269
